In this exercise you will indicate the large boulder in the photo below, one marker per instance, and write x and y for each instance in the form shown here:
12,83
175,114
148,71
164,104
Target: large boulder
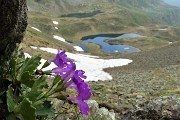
13,23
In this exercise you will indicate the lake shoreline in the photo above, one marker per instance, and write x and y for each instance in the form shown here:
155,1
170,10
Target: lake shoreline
110,48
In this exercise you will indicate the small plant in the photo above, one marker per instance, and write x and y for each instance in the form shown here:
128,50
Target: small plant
25,93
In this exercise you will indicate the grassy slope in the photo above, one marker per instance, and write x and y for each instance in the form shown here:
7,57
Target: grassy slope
114,17
151,11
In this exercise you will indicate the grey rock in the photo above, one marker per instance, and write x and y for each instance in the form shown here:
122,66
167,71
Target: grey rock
166,107
13,24
100,113
139,96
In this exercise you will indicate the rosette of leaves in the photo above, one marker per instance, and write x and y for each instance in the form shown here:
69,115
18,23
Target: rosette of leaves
24,92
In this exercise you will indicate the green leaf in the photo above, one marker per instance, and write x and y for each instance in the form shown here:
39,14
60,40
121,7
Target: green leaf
1,93
26,79
12,69
11,117
26,110
62,96
60,86
56,79
29,66
10,78
47,63
10,100
37,89
57,85
46,110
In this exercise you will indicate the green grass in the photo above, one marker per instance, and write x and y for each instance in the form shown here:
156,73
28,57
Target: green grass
94,49
144,44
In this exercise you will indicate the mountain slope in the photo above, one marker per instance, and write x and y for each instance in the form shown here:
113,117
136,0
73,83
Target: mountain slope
59,7
147,11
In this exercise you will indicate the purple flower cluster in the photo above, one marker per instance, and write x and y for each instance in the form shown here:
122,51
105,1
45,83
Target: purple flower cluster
73,78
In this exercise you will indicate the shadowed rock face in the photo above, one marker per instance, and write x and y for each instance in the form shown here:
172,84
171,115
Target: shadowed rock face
13,23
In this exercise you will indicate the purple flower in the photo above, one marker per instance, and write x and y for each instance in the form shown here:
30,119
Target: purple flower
81,87
60,59
84,92
73,78
84,108
66,71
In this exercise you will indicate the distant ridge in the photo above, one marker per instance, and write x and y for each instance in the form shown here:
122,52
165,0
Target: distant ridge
137,11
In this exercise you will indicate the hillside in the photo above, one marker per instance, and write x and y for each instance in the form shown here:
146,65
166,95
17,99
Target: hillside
153,11
82,18
155,69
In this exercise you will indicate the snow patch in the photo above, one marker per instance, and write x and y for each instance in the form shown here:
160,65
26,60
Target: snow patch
55,22
126,48
33,47
36,29
77,48
170,42
59,38
91,64
56,28
162,29
27,55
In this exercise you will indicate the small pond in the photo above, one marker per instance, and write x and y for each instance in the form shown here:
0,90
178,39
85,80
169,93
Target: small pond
107,48
82,15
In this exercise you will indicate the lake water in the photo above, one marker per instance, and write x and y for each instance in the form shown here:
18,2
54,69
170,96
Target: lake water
107,48
173,2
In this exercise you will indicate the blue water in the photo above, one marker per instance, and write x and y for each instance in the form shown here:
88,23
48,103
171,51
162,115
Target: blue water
173,2
107,48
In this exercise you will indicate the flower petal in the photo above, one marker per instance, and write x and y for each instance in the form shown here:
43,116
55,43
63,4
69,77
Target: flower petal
60,59
84,91
84,108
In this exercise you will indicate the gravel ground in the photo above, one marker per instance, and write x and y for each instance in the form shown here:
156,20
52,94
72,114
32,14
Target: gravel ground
161,57
151,74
